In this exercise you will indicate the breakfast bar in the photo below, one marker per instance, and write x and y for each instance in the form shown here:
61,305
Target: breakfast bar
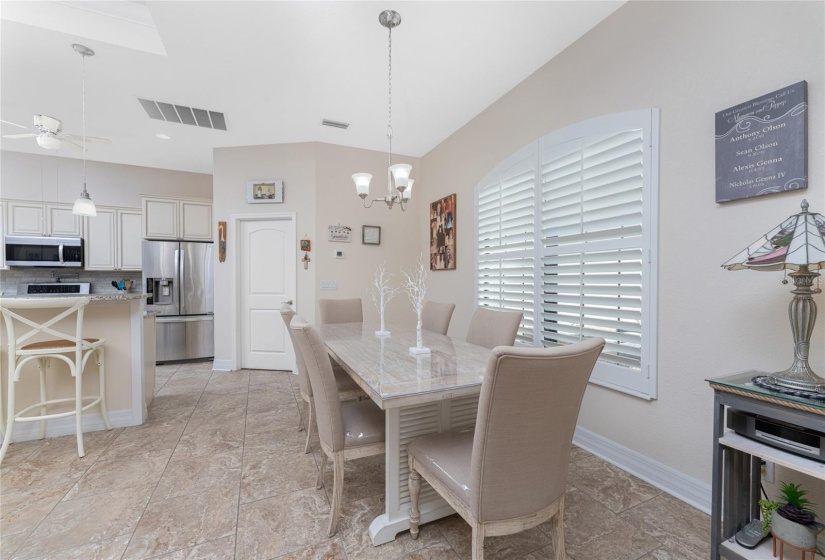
117,317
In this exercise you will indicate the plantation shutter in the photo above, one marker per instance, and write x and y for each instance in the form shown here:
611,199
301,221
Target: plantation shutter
506,240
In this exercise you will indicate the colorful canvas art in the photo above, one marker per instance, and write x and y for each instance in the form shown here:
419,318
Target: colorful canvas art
443,234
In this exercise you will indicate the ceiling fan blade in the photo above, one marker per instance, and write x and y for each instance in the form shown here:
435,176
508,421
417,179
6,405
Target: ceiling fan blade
31,135
69,145
89,139
18,125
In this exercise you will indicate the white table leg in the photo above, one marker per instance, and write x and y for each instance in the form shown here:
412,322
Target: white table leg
403,425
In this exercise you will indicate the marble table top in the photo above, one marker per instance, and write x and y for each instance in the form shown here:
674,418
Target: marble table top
385,369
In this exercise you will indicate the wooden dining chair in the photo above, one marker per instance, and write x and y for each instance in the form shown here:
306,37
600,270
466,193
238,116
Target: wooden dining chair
348,390
435,317
347,430
510,473
341,311
491,328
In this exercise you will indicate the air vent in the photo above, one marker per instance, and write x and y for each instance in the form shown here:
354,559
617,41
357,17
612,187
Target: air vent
335,124
169,112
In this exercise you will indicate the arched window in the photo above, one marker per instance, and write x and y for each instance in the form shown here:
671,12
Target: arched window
566,233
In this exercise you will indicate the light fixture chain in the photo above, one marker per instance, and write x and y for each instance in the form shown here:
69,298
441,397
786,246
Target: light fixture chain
389,102
83,57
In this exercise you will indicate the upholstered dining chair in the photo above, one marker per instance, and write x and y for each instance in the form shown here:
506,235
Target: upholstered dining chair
491,328
347,430
510,473
348,390
435,317
340,311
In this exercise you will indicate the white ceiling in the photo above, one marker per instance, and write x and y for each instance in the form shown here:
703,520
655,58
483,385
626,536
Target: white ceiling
276,69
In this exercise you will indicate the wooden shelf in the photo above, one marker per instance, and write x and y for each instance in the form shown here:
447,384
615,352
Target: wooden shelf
774,455
732,551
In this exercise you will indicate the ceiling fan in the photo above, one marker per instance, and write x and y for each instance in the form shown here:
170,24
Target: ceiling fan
47,132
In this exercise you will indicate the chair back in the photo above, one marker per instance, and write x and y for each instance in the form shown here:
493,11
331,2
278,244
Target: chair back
287,313
340,311
491,328
322,380
14,340
435,317
527,412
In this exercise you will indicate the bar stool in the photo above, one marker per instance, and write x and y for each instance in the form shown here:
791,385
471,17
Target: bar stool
70,348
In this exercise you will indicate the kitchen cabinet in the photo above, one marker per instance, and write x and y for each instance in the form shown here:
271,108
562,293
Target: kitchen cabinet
37,218
113,240
169,218
2,235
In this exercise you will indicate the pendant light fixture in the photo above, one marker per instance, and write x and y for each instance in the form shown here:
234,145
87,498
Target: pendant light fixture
399,184
84,206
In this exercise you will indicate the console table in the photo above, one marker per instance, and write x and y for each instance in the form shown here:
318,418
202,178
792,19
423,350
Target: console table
737,459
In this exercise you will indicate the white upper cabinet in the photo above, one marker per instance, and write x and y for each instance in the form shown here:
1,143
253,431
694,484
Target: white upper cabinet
36,218
168,218
130,241
101,240
2,235
60,222
27,218
113,240
160,218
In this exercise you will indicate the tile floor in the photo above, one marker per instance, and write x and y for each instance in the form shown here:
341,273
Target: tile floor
217,473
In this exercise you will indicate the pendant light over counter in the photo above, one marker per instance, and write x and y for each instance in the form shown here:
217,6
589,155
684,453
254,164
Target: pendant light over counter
84,206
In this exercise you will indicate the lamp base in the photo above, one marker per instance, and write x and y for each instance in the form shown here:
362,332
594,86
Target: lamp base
799,380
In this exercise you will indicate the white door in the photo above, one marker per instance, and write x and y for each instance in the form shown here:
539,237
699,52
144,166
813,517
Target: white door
267,281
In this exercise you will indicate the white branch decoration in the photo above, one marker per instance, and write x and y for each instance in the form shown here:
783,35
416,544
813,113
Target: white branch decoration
381,294
415,284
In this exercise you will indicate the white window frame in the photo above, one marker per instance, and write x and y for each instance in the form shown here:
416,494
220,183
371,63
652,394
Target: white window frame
640,383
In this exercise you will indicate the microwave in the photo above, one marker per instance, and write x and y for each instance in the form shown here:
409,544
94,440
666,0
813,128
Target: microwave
44,251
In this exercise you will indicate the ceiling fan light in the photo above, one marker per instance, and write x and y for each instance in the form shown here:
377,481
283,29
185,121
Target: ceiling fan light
48,141
84,206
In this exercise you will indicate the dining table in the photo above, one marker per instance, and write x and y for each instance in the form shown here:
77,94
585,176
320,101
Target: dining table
420,393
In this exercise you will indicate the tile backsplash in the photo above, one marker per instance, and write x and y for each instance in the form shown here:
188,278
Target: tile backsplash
100,280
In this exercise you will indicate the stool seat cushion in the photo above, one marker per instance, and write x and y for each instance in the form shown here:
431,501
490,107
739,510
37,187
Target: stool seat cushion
57,344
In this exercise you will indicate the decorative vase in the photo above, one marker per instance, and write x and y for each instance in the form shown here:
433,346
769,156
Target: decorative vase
800,536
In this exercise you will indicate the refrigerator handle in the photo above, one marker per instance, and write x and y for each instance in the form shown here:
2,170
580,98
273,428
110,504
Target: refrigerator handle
181,280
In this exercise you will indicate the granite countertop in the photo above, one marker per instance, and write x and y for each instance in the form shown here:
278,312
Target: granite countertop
100,296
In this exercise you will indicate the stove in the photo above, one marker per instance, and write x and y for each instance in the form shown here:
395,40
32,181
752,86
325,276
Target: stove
54,289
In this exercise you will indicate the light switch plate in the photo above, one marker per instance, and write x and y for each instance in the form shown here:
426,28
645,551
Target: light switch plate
329,285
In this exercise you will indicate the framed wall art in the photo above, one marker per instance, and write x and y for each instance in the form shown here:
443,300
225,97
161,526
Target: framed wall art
371,235
339,233
443,233
264,191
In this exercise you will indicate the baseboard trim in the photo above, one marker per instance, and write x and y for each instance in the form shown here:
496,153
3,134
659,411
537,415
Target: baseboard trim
92,422
668,479
222,365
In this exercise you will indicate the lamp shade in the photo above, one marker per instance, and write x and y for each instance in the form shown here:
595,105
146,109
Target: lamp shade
407,194
362,183
84,206
401,175
796,242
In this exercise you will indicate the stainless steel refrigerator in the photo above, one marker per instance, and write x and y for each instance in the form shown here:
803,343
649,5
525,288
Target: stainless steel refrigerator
178,277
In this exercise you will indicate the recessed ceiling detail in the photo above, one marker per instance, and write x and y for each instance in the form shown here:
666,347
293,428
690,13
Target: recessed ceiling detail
335,124
181,114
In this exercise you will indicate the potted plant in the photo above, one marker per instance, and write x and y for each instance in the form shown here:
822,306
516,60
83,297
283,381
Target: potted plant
793,521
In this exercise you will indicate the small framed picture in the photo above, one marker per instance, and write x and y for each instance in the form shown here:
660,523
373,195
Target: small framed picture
306,245
371,235
265,191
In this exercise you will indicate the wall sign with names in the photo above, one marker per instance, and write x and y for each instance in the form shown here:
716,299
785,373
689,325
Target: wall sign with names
762,145
339,233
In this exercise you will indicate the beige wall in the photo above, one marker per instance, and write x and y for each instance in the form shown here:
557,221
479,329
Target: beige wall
690,59
56,179
318,188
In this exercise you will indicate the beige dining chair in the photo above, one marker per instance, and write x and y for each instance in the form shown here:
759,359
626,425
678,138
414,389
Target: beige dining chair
491,328
435,317
510,473
348,390
340,311
347,430
65,344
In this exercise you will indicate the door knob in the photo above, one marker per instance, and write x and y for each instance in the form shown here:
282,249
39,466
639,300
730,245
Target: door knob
288,302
